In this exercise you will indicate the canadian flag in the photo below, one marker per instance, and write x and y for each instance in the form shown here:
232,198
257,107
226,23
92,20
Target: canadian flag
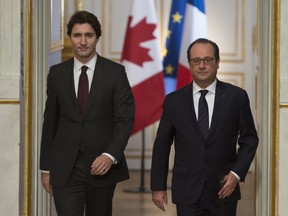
142,59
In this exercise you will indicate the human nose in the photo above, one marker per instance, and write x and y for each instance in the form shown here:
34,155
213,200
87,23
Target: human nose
83,40
202,64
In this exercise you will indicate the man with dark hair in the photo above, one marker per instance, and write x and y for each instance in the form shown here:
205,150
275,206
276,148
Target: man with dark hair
88,119
214,136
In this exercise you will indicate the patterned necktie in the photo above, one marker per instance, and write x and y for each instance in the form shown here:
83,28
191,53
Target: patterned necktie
83,88
203,116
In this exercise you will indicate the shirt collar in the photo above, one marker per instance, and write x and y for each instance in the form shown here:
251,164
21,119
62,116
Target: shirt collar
90,64
210,88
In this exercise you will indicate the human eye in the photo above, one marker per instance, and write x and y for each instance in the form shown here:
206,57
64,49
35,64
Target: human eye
90,35
196,61
76,35
208,60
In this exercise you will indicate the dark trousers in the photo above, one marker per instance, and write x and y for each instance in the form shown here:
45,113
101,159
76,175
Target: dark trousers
78,194
205,207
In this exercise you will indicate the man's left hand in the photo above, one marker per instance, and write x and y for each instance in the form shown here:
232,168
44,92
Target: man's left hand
229,183
101,165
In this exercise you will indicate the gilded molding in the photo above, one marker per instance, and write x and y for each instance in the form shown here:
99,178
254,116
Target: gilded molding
275,104
9,102
283,105
25,177
79,5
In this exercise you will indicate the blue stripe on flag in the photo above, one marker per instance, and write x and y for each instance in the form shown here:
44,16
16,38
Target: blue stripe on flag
173,42
198,3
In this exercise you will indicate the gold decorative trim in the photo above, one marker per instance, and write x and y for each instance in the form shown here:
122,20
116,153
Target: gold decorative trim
275,108
26,146
9,102
79,5
283,105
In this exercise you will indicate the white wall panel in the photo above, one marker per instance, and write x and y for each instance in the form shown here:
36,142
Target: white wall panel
9,160
9,113
10,49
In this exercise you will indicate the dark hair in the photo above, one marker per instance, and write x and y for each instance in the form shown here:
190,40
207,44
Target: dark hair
84,17
204,40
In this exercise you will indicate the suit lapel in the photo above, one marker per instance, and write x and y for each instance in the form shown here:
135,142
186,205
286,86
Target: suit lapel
69,83
96,82
189,97
218,105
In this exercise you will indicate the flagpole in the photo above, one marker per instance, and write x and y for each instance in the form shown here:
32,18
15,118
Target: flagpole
141,188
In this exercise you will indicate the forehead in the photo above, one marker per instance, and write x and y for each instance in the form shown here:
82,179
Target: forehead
82,28
202,50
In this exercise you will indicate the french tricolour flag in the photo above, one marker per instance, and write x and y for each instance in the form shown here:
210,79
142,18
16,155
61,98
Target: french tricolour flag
142,58
187,22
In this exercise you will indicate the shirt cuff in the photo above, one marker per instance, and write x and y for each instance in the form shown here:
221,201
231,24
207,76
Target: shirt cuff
235,175
45,171
114,161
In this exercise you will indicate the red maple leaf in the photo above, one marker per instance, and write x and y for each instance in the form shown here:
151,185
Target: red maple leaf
141,32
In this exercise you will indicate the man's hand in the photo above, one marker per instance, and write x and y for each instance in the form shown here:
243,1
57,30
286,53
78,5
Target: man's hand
229,183
45,179
101,165
159,198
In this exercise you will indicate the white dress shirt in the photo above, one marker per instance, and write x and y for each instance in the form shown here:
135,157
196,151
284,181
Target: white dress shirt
210,98
90,71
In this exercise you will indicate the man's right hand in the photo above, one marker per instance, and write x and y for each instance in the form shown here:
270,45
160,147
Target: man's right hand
159,198
45,179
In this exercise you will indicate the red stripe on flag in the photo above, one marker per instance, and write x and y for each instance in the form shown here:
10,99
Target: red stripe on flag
149,96
183,77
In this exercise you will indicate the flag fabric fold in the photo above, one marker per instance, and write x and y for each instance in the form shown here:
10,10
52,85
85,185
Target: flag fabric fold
142,60
187,22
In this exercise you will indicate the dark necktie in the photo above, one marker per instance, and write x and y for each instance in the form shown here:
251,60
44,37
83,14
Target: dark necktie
83,88
203,115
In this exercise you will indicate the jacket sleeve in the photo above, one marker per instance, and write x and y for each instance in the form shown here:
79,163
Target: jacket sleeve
50,124
248,139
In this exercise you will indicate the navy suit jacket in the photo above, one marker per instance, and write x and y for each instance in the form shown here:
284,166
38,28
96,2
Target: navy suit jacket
105,127
196,161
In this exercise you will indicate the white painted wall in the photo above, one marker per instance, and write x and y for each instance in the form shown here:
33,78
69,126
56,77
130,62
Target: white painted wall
9,113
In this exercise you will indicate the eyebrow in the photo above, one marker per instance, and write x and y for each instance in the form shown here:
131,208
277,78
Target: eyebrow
86,33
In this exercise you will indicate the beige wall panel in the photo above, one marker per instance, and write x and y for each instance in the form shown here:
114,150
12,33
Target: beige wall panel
10,49
283,165
9,113
226,27
9,160
284,54
283,116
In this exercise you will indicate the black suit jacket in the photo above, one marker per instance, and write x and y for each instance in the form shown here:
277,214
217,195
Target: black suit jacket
198,162
105,127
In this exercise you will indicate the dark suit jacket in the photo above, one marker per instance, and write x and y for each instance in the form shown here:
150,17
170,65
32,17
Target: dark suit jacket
198,162
105,127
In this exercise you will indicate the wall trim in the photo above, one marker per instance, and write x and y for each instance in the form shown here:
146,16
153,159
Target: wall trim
16,102
275,107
